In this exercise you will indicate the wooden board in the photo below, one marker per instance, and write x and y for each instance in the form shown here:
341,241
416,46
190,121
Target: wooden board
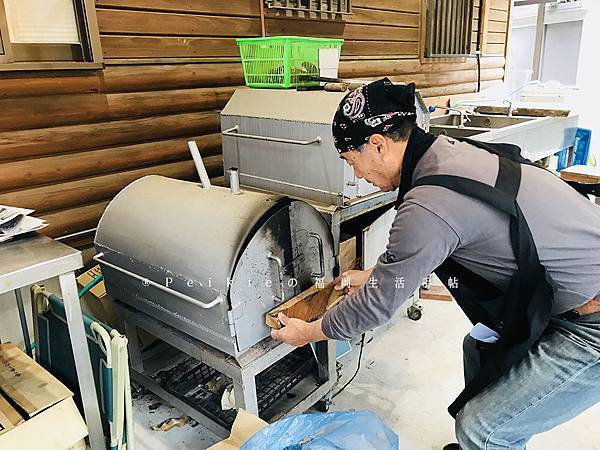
60,427
124,46
45,141
347,257
389,5
148,23
27,383
435,292
229,7
54,169
93,189
581,174
308,306
9,416
44,111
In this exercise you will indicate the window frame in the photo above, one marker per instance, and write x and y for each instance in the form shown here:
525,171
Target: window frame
428,24
91,49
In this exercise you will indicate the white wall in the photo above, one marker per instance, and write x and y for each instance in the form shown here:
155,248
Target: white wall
588,76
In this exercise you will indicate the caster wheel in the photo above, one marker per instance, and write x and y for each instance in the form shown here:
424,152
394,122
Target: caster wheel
323,405
414,312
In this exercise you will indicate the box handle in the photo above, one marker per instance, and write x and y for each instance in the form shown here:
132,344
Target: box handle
149,282
233,132
321,255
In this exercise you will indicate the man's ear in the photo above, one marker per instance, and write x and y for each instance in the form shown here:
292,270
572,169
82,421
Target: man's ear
378,141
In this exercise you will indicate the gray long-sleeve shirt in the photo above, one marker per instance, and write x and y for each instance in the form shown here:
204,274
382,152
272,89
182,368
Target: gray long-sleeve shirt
434,223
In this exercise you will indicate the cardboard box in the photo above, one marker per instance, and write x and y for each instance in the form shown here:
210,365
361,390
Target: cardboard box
36,410
101,306
244,427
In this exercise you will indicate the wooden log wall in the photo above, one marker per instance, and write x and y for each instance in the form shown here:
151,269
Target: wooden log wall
70,140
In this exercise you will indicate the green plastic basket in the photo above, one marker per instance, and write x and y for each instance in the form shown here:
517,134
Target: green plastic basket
282,61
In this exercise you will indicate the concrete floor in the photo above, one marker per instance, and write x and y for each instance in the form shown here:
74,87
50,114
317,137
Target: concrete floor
411,371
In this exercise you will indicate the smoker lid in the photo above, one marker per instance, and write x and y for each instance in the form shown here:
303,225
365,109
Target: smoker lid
298,106
178,226
284,104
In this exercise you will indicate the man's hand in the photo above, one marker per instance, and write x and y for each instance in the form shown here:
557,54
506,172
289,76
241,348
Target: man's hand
352,280
297,332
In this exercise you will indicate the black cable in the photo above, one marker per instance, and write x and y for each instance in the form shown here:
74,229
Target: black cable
478,49
362,346
478,71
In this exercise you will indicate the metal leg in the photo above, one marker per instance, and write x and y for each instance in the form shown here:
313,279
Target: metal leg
23,319
81,355
135,355
244,391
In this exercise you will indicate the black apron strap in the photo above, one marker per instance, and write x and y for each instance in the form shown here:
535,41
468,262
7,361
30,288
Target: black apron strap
520,315
513,153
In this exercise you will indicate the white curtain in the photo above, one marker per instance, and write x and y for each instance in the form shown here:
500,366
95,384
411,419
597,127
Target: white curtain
41,21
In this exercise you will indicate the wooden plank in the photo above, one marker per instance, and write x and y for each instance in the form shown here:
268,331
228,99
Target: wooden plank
27,383
428,80
376,17
141,78
389,5
347,257
336,29
307,306
436,292
169,24
581,174
463,88
119,46
23,84
9,416
94,189
496,38
495,49
359,69
135,78
374,48
499,16
501,5
496,26
48,111
73,220
230,7
54,169
47,141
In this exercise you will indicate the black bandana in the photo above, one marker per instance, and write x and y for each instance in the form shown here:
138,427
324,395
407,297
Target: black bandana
376,108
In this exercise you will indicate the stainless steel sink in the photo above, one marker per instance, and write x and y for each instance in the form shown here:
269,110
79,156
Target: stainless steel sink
456,132
538,137
478,121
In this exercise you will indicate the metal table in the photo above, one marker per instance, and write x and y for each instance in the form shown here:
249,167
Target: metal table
29,260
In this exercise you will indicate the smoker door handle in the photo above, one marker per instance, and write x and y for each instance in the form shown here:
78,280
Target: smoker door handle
314,235
279,274
170,291
233,131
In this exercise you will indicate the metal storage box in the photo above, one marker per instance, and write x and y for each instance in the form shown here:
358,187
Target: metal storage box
281,141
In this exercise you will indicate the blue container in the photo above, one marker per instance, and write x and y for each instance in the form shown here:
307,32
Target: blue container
581,147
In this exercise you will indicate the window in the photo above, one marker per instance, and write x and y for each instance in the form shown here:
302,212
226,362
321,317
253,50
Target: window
47,33
560,42
324,6
448,28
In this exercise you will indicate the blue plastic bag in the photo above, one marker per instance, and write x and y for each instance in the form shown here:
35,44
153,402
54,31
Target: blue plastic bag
360,430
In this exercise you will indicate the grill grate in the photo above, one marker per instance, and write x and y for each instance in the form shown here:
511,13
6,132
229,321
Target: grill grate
188,382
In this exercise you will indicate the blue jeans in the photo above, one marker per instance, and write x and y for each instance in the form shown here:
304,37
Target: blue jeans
557,380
